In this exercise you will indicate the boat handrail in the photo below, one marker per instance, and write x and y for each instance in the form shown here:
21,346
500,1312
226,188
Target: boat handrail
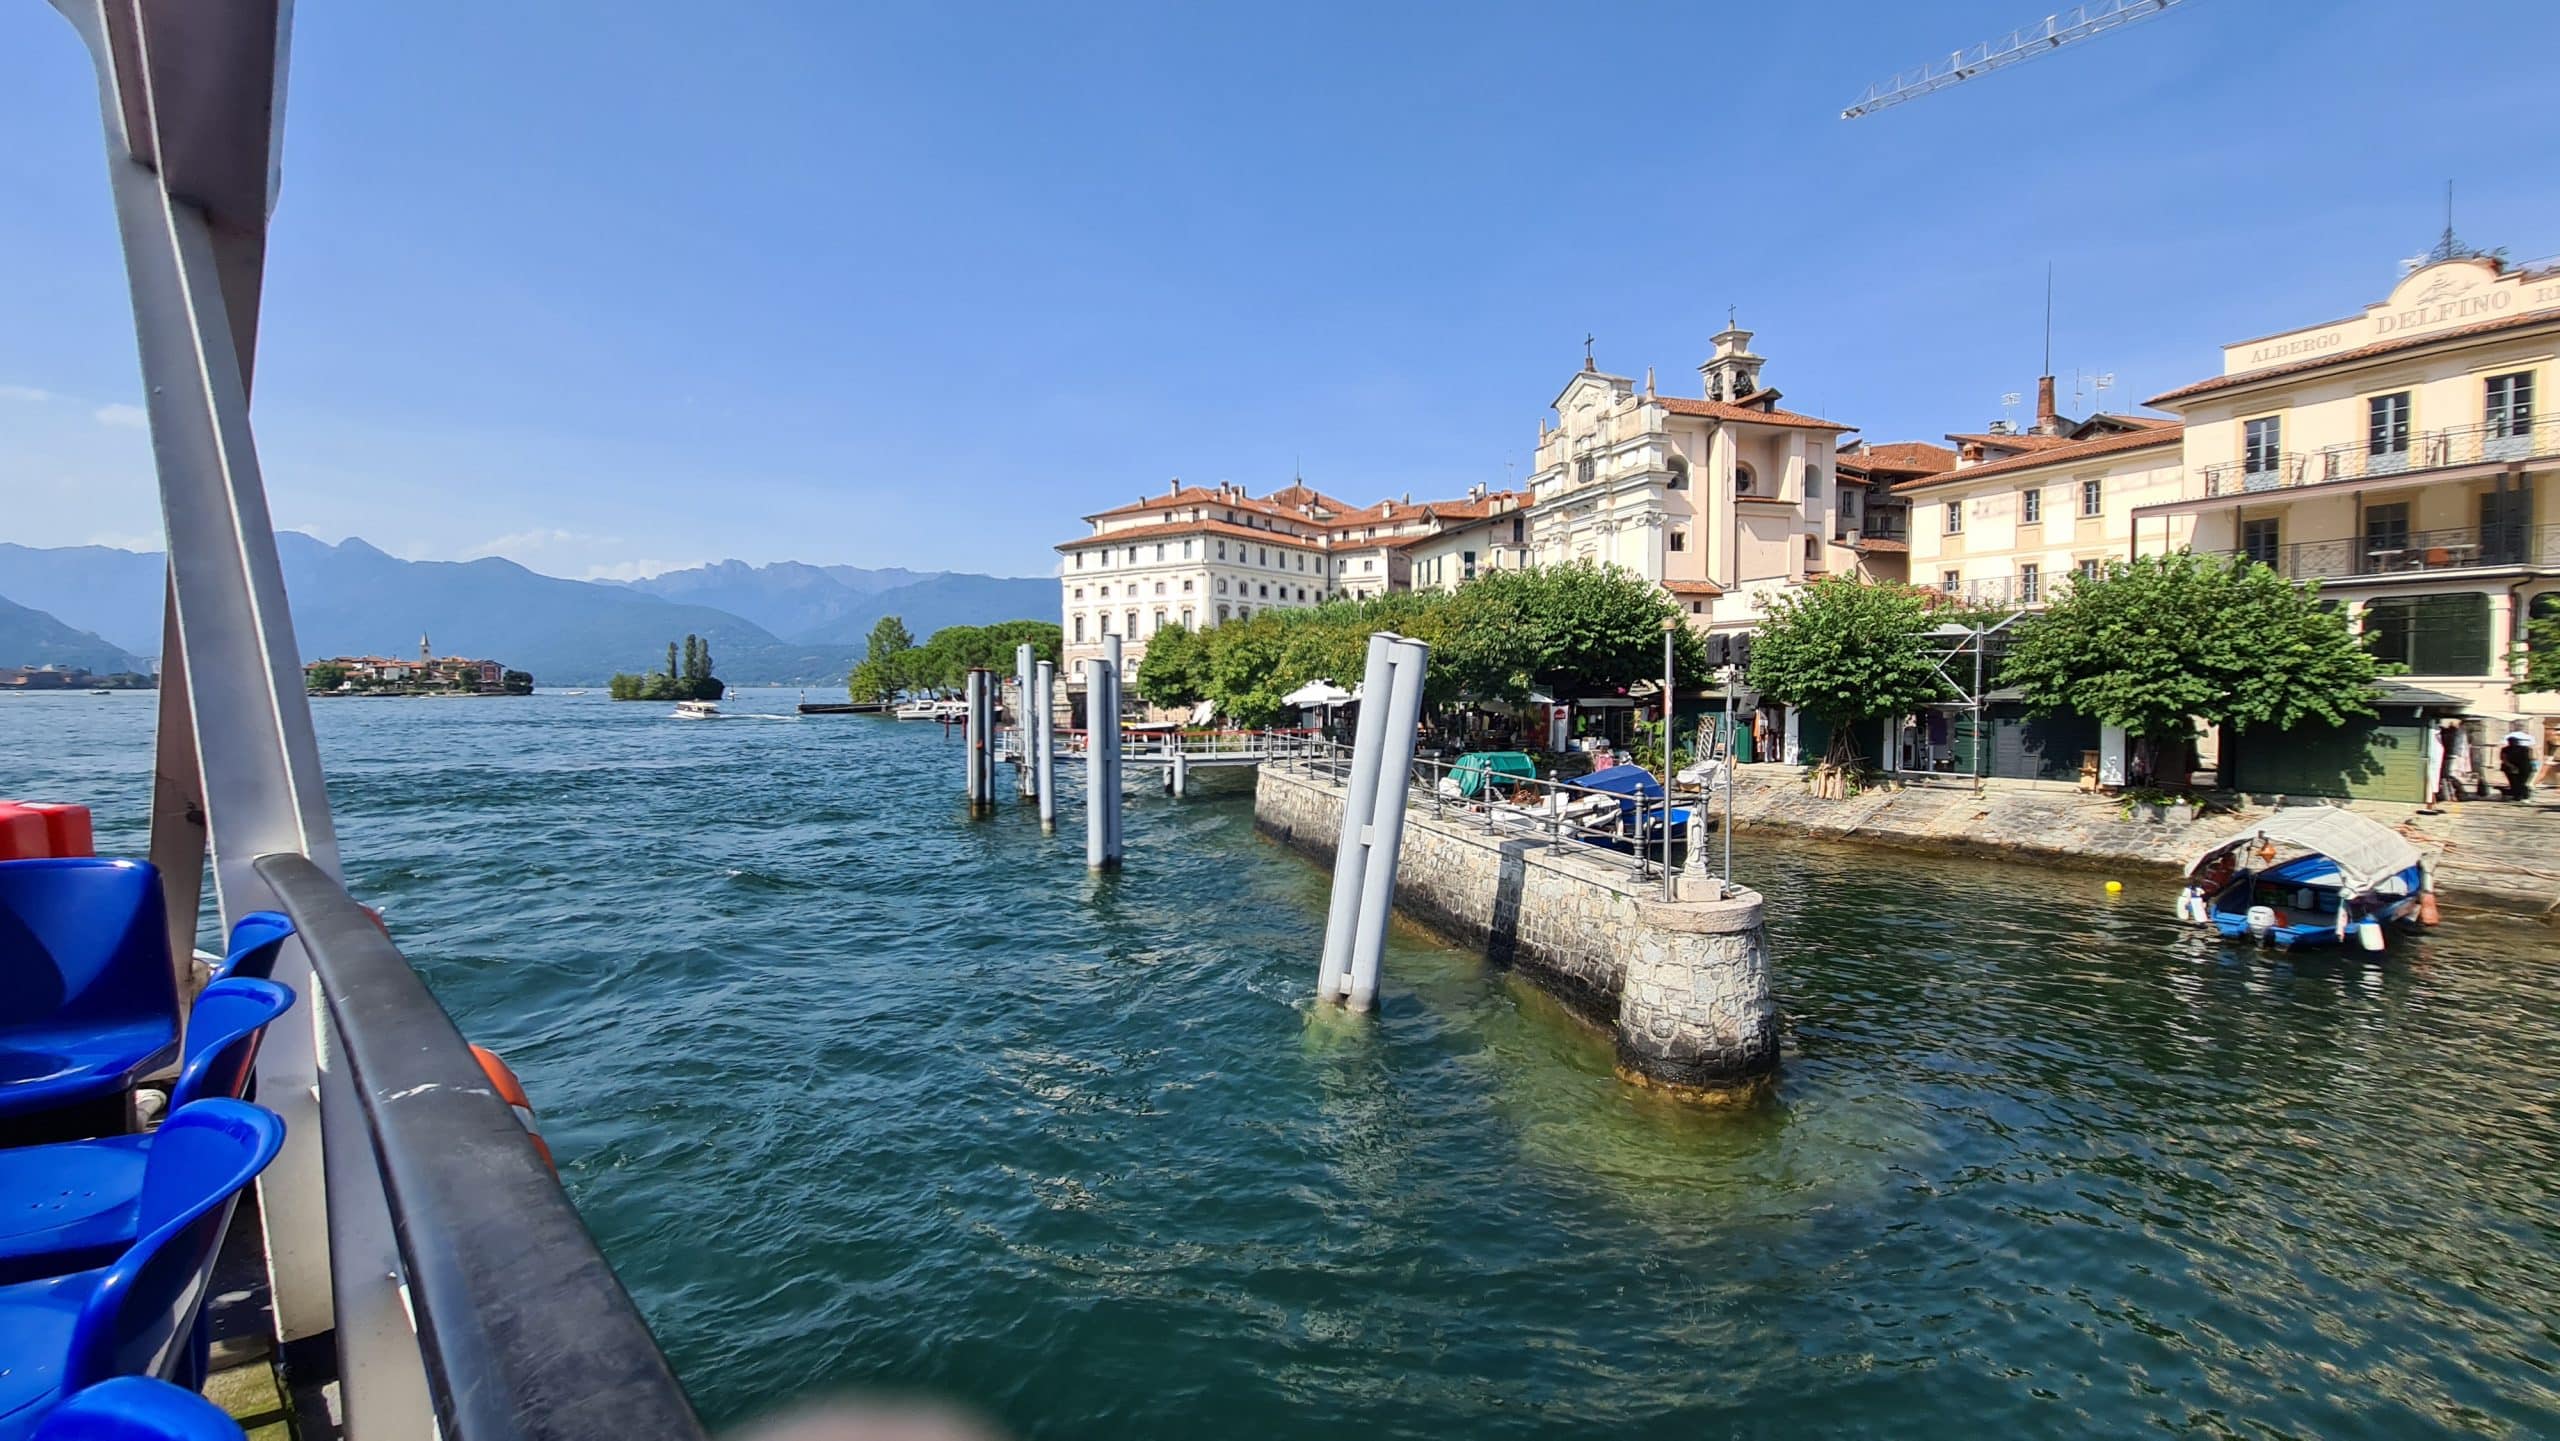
524,1329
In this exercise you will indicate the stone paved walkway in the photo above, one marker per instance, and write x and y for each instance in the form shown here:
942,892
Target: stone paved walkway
2494,852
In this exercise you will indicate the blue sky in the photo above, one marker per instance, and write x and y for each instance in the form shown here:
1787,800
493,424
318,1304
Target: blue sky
617,287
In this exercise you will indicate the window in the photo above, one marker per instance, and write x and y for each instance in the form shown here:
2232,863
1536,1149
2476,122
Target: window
2258,540
1222,550
2086,570
2262,441
2031,506
1186,587
1222,612
1105,592
1186,550
1131,629
1079,560
1955,517
1079,592
2431,634
1159,587
1133,555
2386,430
1158,621
1266,554
2030,584
1159,550
1222,585
1582,471
1742,480
2093,497
2386,527
1951,582
2510,403
1467,559
1103,619
1812,481
1679,539
1302,595
1519,532
1266,592
1079,630
1187,618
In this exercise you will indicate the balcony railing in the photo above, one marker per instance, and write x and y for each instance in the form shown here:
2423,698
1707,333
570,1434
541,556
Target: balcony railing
2005,592
2487,443
2418,552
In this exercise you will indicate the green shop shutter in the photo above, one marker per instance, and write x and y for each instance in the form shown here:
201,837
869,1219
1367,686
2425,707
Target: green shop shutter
2047,748
2368,759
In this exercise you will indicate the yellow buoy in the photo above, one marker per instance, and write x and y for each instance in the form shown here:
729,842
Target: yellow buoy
2114,887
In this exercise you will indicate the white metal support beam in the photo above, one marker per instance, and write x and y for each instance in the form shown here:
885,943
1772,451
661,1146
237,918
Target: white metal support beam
2081,22
190,92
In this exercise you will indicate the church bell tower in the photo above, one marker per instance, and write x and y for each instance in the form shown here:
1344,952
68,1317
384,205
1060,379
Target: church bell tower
1733,371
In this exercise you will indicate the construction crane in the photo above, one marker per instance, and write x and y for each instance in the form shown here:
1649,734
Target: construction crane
2079,23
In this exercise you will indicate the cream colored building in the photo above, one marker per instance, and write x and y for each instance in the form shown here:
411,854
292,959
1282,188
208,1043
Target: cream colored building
2019,513
1197,556
1487,531
2402,458
1723,501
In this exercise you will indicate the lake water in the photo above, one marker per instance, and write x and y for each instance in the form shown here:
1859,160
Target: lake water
858,1094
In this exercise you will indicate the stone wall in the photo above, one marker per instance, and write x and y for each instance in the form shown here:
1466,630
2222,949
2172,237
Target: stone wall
1684,983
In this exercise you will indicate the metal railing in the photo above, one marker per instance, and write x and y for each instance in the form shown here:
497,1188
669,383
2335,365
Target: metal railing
1160,745
2001,592
2413,453
523,1328
1565,816
2417,552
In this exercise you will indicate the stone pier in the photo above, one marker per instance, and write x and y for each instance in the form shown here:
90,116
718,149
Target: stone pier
1683,983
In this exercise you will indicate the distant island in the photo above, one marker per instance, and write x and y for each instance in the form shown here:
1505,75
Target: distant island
56,677
429,674
687,677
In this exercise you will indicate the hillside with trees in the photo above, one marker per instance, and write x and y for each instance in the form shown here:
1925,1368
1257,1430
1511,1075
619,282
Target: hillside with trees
688,676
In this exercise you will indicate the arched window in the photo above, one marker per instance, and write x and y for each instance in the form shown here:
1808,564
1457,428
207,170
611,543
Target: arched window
1742,478
1222,613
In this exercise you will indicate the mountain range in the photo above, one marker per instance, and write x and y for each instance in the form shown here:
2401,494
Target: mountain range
781,624
31,637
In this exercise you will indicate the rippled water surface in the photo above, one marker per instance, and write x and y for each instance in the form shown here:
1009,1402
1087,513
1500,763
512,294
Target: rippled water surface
858,1094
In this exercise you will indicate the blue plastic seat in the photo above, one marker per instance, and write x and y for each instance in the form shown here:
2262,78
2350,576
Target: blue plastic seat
255,939
70,1206
88,1001
142,1315
137,1408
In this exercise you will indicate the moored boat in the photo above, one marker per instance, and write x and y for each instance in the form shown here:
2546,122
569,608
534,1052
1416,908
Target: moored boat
697,710
2308,876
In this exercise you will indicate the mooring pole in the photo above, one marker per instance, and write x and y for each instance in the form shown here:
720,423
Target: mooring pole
1407,661
1044,741
1026,783
978,740
1731,777
1114,814
1359,801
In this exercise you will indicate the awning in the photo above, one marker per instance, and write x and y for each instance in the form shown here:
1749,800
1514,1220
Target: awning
1317,693
2367,852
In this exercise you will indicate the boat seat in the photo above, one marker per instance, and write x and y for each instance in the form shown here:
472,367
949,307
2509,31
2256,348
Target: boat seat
71,1205
255,940
88,998
142,1314
138,1408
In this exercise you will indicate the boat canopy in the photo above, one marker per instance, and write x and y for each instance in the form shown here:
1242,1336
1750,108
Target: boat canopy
2366,852
1634,782
1475,768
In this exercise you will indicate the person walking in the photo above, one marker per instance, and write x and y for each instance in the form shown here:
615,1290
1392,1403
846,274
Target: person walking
2452,757
2515,762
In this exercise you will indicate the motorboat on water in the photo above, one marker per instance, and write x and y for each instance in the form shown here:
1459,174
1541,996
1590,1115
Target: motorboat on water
2308,876
932,708
1622,809
697,710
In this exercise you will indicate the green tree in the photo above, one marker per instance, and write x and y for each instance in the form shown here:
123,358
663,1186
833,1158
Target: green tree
2537,666
1847,650
516,682
1572,630
671,660
1174,671
2157,643
327,675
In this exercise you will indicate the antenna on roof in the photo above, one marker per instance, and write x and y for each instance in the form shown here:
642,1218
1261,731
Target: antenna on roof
2009,404
2104,382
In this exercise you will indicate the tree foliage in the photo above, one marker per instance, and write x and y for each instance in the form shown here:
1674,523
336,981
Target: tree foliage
881,673
2155,643
894,665
1848,650
2537,666
1570,630
688,676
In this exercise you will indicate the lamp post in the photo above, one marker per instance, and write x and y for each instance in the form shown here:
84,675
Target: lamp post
1670,632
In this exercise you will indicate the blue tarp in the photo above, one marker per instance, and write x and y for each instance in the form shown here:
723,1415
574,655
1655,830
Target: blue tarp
1630,781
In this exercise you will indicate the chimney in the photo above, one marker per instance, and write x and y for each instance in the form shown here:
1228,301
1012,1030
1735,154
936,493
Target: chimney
1173,486
2047,423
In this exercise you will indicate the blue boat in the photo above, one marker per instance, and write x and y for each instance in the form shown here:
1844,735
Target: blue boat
2308,876
1638,811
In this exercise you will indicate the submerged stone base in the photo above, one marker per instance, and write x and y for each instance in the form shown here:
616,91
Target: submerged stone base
1684,984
